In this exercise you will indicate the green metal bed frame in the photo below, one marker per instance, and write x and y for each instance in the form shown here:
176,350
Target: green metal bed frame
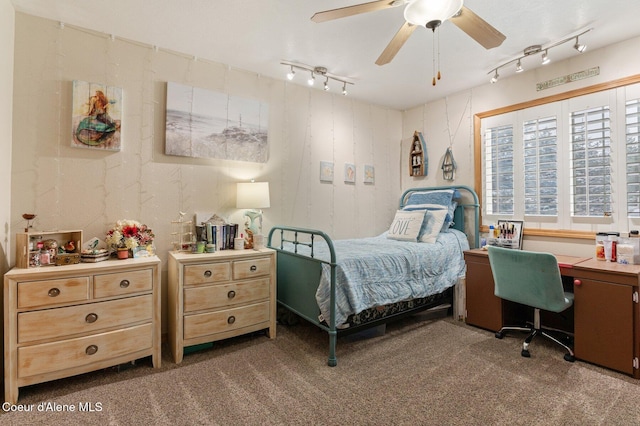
298,275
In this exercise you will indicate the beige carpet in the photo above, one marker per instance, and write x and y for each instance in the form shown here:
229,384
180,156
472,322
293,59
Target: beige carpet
421,371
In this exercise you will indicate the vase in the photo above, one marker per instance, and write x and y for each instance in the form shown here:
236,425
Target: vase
123,253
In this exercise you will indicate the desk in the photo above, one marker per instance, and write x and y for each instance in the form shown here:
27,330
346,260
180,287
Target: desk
606,322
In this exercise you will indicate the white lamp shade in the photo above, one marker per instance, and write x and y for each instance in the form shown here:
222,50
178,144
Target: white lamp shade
253,195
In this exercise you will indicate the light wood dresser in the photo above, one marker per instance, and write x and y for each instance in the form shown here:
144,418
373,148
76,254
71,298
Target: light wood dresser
214,296
61,321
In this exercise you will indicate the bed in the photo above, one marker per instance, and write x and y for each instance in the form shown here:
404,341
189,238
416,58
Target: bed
346,286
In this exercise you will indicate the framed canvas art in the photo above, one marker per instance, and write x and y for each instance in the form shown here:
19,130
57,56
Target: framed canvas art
326,171
206,124
96,116
349,173
369,174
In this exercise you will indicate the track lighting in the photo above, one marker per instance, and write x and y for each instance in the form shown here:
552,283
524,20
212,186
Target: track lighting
519,67
321,71
536,48
545,58
291,74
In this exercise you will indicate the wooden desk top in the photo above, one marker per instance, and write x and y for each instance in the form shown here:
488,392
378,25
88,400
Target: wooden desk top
564,261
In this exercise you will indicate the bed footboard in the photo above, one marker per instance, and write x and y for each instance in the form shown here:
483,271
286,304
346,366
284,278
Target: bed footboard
299,271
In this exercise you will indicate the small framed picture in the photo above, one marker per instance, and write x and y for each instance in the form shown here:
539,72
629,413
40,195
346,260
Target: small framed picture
369,174
511,231
349,173
326,171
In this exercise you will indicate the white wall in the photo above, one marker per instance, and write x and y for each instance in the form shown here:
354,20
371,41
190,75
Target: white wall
450,120
7,24
72,188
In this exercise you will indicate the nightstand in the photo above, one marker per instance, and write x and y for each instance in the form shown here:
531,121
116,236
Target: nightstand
214,296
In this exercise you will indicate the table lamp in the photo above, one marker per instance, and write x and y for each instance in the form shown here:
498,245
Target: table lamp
253,196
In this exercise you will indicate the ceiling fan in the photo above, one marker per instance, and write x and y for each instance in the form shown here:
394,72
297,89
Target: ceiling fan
427,13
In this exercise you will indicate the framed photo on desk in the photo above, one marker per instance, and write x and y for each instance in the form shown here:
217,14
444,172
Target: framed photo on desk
511,230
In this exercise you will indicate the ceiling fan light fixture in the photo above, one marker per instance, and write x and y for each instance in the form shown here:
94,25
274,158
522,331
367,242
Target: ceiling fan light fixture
419,12
579,47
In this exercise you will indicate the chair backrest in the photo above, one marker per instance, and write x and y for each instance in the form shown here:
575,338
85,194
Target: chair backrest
527,277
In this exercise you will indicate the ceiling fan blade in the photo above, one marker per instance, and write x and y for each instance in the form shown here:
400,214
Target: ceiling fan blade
396,43
477,28
357,9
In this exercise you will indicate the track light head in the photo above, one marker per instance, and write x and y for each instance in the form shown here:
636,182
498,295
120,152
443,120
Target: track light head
579,47
545,58
344,89
519,67
326,84
311,80
291,74
495,77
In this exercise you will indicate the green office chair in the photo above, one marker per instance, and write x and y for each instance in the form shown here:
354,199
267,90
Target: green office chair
531,279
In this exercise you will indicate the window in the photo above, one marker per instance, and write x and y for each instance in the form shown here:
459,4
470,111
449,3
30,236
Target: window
567,165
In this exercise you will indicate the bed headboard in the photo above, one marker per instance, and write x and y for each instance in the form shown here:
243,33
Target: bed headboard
467,201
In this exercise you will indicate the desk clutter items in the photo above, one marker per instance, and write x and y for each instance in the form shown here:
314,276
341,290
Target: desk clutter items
94,251
47,248
611,247
507,234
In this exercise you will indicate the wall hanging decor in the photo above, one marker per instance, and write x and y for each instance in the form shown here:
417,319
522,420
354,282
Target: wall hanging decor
349,173
448,165
326,171
369,174
418,161
207,124
96,116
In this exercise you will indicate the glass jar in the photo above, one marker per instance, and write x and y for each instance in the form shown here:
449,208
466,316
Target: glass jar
601,238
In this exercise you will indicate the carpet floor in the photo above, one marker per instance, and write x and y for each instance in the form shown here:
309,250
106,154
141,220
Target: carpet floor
421,371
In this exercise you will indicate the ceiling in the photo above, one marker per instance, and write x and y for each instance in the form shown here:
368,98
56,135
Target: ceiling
256,35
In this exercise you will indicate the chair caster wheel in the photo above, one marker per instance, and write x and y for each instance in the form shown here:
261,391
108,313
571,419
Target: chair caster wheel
525,353
499,335
569,358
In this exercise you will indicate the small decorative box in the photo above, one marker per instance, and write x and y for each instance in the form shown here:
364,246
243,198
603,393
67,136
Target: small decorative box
67,259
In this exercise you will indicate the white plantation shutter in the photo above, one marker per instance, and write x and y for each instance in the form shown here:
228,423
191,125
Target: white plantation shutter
632,132
540,140
590,140
499,173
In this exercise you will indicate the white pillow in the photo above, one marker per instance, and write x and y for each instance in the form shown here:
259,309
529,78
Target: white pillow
432,225
406,225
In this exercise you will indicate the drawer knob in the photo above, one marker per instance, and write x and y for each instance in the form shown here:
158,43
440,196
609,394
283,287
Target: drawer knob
253,268
577,282
124,283
53,292
91,318
231,294
91,349
231,319
207,273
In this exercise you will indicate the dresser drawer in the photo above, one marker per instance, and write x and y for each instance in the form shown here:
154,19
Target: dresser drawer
52,292
120,283
88,318
218,296
65,354
207,273
243,269
225,320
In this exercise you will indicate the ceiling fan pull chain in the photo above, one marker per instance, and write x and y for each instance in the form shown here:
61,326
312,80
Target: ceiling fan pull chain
433,58
438,55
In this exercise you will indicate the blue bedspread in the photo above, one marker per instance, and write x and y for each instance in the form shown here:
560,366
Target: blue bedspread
377,271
